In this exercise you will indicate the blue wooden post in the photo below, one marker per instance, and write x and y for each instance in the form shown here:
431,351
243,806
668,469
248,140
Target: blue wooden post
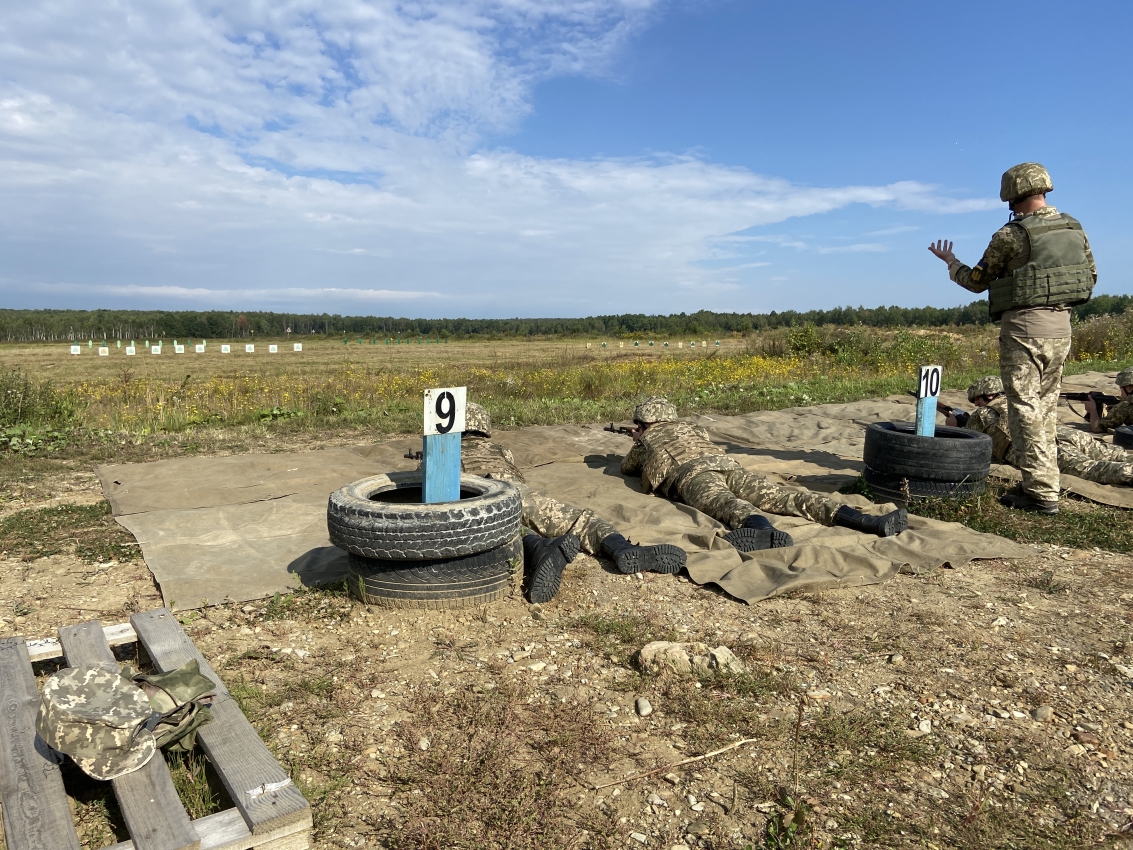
440,468
928,388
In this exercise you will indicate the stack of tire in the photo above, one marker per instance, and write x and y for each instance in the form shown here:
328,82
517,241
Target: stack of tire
405,554
901,465
1123,436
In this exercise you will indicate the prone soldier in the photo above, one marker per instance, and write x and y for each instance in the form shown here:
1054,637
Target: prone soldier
1078,454
559,530
1035,269
678,459
1120,414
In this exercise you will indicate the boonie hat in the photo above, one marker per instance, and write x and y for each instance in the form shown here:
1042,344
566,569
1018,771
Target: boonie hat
97,718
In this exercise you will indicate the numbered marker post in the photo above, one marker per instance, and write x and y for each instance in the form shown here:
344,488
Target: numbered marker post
928,388
440,451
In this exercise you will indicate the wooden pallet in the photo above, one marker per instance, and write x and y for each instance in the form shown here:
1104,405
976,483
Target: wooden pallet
269,814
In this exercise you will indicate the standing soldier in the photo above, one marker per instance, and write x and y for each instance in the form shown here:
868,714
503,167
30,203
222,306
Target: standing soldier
1036,268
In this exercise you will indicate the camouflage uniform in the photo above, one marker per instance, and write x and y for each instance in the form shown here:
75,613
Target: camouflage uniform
679,458
1031,368
542,514
1076,453
1121,413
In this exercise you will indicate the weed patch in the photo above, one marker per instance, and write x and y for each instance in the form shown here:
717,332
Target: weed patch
88,531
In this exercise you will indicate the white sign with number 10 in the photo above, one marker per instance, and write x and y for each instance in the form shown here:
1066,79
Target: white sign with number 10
444,410
928,386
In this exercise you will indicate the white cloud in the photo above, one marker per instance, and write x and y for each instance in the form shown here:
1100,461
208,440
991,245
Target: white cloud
206,153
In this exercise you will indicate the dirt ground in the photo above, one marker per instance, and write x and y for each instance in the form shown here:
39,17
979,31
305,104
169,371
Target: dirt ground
987,705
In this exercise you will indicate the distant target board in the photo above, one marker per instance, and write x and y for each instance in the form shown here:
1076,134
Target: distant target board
200,349
76,349
155,349
273,349
104,351
249,349
178,349
226,349
130,351
298,346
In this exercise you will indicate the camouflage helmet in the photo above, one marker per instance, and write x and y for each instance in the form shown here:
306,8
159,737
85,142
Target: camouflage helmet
1125,377
99,719
991,385
477,420
655,409
1024,180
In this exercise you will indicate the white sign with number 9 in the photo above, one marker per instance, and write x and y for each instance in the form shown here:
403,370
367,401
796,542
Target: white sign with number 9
444,410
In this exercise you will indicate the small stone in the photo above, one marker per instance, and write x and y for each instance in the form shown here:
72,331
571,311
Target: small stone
1043,714
961,719
925,726
639,837
679,847
896,659
1086,738
724,659
655,800
423,744
643,707
697,827
672,779
537,667
691,800
538,616
699,807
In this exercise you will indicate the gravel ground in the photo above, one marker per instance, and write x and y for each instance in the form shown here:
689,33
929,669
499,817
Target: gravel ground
987,706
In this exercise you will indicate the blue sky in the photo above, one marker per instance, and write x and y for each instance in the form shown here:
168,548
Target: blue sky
541,157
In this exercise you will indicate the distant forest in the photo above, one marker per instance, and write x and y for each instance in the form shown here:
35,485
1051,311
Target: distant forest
63,325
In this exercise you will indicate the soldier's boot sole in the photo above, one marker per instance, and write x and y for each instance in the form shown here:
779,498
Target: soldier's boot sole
663,558
893,523
755,539
550,561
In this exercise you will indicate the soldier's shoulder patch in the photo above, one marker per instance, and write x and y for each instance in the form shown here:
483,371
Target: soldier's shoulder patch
978,271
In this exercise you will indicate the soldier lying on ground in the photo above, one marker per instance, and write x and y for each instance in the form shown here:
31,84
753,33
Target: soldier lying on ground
678,459
1120,415
560,530
1078,453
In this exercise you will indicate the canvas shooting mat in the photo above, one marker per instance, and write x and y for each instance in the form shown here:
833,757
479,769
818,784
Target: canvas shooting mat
248,526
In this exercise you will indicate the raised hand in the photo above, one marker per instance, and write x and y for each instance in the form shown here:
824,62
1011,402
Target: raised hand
943,249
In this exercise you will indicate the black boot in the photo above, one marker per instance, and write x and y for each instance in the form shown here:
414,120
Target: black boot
1022,501
883,526
547,557
632,558
755,533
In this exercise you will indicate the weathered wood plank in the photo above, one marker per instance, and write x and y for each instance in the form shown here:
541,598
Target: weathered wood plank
44,648
227,831
256,782
149,802
36,813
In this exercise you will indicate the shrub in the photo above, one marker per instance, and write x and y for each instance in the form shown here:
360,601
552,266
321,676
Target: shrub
36,404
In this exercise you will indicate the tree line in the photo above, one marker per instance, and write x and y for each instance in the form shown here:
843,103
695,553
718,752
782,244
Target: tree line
75,325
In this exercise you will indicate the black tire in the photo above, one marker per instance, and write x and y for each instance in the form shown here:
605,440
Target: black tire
398,527
1123,436
436,582
891,488
954,454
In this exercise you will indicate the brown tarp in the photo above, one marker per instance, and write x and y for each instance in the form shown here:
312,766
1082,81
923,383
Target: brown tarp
248,526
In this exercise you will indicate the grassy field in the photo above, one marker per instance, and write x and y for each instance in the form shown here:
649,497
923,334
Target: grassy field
493,727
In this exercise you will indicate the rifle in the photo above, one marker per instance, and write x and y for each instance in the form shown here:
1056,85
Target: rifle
412,455
1100,399
619,429
961,416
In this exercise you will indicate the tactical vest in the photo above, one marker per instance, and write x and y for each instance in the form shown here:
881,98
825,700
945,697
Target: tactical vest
1056,275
